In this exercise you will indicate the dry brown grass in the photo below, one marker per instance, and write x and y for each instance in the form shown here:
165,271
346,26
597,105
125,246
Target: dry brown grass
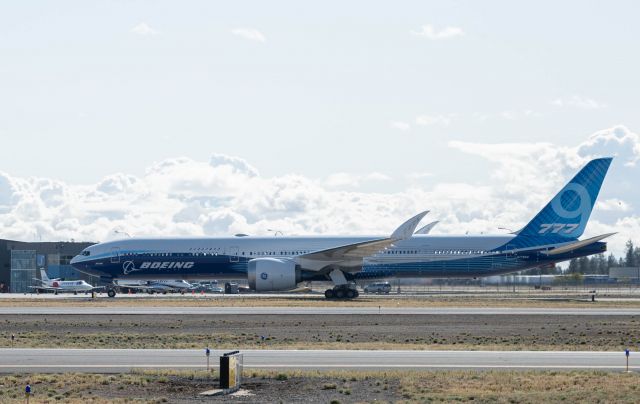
235,341
517,300
404,386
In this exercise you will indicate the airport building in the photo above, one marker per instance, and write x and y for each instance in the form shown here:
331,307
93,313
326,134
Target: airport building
21,262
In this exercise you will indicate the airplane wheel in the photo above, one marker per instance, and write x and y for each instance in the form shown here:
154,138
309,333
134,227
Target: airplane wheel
75,293
329,294
356,293
111,293
55,293
339,294
350,294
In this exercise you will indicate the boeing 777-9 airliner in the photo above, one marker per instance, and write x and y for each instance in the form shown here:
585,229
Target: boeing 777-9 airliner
280,263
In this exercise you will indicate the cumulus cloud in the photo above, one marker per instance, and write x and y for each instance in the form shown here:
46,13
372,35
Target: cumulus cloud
144,29
531,173
227,195
251,34
430,32
613,204
403,126
353,180
428,120
577,101
419,176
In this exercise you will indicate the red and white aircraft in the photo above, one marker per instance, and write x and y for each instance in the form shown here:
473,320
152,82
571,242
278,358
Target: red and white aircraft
57,285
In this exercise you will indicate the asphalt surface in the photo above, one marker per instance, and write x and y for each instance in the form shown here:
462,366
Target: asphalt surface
88,311
124,360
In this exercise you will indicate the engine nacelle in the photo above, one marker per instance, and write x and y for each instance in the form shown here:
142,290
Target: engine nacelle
271,274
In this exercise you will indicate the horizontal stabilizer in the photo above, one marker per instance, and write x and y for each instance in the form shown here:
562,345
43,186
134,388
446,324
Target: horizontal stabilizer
575,245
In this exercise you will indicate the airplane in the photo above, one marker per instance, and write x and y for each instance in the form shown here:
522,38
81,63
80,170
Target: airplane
155,286
57,285
281,263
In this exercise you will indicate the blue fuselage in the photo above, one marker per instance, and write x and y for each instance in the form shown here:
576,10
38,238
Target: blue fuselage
227,258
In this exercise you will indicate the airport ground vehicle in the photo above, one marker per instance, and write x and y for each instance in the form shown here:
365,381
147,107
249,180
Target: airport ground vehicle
378,287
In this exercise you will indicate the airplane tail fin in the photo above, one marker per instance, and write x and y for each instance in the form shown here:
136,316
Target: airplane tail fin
567,214
43,276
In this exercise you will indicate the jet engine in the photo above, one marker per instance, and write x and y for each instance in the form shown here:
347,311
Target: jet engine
271,274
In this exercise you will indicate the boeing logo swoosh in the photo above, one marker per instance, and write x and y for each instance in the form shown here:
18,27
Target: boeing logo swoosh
128,267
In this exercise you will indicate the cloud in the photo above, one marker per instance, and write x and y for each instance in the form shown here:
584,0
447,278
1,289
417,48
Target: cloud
429,120
251,34
225,195
531,173
577,101
429,32
144,29
353,180
512,115
419,176
403,126
613,204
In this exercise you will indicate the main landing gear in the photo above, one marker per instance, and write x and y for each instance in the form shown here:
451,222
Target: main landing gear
346,291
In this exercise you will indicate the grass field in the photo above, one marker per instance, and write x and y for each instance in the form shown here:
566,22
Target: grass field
372,331
331,387
503,300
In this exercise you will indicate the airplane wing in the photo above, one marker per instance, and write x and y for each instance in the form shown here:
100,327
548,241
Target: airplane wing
352,254
139,287
576,244
427,228
43,288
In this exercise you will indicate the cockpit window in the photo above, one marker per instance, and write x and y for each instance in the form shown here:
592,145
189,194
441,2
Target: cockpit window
86,253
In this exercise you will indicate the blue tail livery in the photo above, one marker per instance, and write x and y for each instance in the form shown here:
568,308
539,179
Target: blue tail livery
567,214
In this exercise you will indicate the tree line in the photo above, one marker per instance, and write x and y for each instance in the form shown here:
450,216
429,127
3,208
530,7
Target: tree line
597,264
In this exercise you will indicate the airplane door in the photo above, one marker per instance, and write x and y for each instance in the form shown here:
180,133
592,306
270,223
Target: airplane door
234,254
115,255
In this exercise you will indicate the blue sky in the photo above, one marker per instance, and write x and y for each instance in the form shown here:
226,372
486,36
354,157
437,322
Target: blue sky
366,97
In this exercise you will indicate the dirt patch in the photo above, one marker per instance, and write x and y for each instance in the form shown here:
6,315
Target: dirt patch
501,332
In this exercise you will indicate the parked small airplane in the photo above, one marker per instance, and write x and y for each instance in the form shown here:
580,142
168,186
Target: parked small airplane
57,285
155,286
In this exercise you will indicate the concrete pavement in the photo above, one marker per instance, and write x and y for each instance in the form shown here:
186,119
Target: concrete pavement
212,310
124,360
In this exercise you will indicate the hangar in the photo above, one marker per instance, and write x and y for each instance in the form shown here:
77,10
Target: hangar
21,261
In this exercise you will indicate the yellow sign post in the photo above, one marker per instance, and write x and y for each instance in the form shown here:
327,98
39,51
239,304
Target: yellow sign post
231,370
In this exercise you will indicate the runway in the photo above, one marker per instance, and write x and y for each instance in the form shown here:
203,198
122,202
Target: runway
212,310
124,360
